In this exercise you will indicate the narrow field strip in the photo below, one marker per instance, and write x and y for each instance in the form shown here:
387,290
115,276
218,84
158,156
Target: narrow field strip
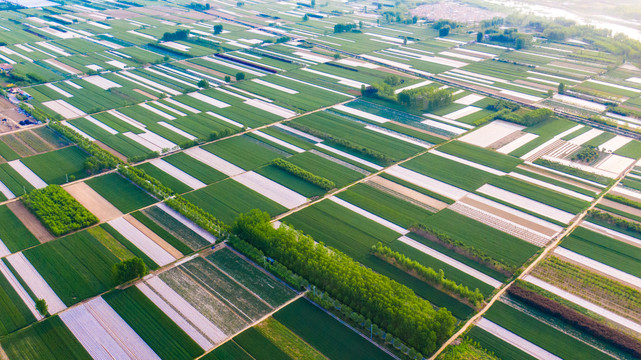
279,141
598,266
178,174
584,303
526,203
178,131
22,293
93,202
517,143
35,282
399,136
270,108
552,187
27,174
467,162
403,192
452,262
188,223
188,311
362,114
159,255
515,340
532,153
6,192
388,224
177,318
271,189
612,233
101,125
350,156
214,161
274,86
427,183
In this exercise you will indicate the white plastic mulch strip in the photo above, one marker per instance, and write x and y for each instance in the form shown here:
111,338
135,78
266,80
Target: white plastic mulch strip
119,330
615,143
58,90
517,143
446,127
299,133
316,86
615,164
552,140
271,189
227,120
584,303
598,266
552,187
101,125
469,99
6,192
73,84
626,88
233,66
526,203
35,282
468,163
17,287
341,80
587,168
181,105
80,132
143,142
627,192
152,84
27,174
522,96
64,109
157,111
208,100
427,183
169,108
585,104
177,130
586,136
462,112
271,108
452,262
127,119
362,114
415,86
611,233
178,174
275,87
159,255
388,224
516,341
92,335
279,142
188,223
214,161
525,216
101,82
177,318
349,156
491,133
399,136
188,311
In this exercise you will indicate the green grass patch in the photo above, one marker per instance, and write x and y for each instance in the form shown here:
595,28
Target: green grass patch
120,192
448,171
244,151
60,166
176,185
13,233
481,156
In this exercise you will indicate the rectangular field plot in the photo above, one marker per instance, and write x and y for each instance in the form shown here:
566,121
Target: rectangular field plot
47,340
228,198
336,341
119,191
55,167
195,168
13,233
245,152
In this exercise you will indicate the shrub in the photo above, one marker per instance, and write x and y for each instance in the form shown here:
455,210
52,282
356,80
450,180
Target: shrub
128,270
58,210
299,172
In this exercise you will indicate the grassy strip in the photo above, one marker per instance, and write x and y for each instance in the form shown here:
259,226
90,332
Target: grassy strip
58,210
287,341
304,174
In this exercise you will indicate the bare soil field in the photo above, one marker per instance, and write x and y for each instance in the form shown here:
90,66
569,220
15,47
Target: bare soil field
30,221
91,200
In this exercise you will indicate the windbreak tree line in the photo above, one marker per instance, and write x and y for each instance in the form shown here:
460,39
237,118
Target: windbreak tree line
386,302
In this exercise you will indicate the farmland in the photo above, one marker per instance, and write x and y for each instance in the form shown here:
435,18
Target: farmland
285,180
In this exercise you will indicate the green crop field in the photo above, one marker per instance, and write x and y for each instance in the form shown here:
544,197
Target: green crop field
541,334
290,181
60,166
119,191
320,166
244,151
258,346
335,341
15,314
76,267
166,223
261,284
167,180
499,347
160,231
481,156
46,340
448,171
228,351
228,198
154,327
13,234
195,168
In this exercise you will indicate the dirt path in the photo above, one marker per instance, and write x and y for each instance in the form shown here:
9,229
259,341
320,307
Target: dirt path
30,221
91,200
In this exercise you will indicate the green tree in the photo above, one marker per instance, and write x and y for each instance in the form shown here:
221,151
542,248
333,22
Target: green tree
404,40
204,84
519,43
218,29
337,56
227,78
479,36
313,3
444,31
561,88
306,17
240,76
129,269
42,307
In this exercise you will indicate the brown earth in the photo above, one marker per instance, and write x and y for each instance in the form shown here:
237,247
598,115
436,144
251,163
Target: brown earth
65,66
619,206
30,221
146,94
410,193
91,200
111,151
10,112
207,70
